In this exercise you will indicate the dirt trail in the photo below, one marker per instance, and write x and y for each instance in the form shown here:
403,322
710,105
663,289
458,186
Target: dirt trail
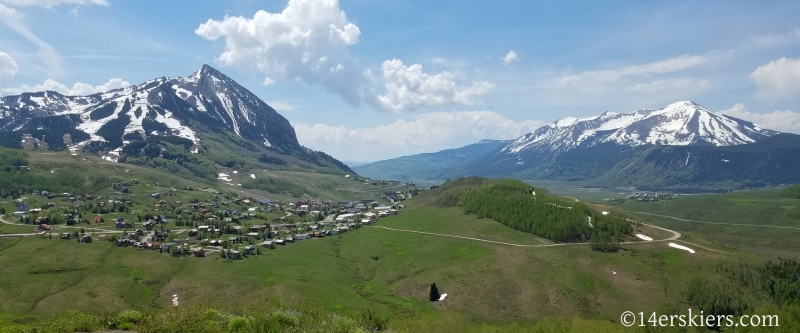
720,223
675,235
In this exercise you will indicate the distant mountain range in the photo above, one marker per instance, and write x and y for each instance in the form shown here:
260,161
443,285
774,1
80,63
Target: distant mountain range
429,166
204,107
682,145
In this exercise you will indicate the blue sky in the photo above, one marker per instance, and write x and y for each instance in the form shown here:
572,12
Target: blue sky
394,77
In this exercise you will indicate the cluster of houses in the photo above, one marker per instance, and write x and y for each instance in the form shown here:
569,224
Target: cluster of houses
268,236
352,216
647,197
214,227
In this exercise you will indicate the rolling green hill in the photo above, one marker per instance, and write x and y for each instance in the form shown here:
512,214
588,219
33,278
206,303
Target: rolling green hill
496,277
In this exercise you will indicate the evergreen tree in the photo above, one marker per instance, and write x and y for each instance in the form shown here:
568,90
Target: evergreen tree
434,295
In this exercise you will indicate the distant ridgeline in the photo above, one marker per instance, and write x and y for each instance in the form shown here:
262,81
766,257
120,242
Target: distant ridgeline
531,209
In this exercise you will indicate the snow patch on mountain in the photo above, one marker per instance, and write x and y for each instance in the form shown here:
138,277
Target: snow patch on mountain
679,124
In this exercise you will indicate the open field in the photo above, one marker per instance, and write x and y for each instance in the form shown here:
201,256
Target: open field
754,220
370,267
383,266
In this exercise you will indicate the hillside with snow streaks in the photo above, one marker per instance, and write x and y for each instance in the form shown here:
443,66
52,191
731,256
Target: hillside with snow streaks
678,124
205,101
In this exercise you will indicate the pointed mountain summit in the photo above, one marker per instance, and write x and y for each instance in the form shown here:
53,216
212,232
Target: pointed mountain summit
190,108
678,124
679,144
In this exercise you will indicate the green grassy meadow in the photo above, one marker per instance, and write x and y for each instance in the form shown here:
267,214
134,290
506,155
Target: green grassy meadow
489,285
371,267
756,208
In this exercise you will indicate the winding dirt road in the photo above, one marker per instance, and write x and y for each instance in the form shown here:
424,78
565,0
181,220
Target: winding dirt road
719,223
675,236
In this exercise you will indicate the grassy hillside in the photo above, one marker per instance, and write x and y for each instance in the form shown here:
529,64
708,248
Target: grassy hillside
371,267
84,173
496,278
760,221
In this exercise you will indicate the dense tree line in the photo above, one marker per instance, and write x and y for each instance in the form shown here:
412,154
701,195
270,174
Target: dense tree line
792,192
103,111
168,153
51,128
778,280
744,286
271,160
513,203
113,130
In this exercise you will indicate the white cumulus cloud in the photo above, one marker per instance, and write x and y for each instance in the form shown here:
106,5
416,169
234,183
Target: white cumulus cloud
308,40
778,79
77,89
8,68
427,132
409,88
783,121
510,56
53,3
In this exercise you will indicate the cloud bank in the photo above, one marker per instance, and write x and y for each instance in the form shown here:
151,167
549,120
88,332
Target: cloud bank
427,132
783,121
77,89
778,79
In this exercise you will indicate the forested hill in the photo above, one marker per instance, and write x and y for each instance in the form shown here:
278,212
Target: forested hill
531,209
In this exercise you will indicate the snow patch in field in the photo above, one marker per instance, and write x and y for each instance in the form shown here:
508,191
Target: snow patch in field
681,247
643,237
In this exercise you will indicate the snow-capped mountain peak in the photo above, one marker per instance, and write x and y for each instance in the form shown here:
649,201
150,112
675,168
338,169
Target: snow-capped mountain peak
206,100
681,124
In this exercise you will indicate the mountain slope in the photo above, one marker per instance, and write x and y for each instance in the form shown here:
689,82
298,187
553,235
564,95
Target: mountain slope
678,124
205,106
774,160
682,145
428,166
